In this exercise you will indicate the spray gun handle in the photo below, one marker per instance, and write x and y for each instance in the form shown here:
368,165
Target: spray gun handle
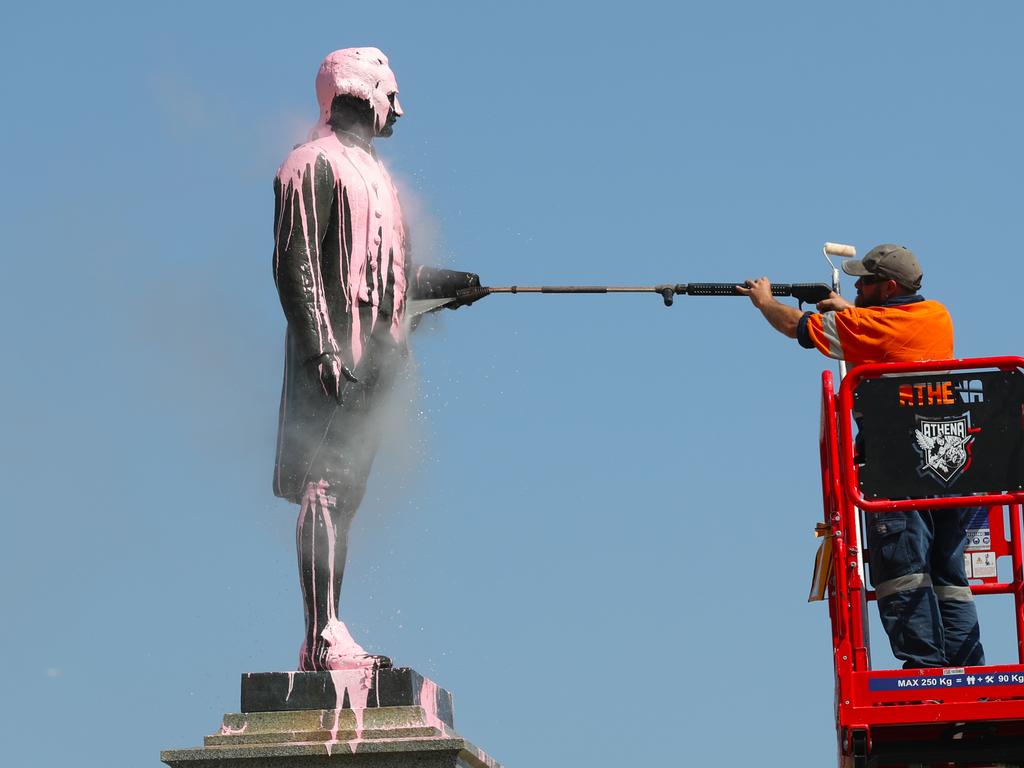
669,292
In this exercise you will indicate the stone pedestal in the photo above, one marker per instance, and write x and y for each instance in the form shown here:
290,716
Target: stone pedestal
392,718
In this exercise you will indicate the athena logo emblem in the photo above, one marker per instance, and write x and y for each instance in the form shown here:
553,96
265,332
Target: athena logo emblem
944,446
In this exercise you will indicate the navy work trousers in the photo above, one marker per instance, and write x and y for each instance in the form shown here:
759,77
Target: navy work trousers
925,603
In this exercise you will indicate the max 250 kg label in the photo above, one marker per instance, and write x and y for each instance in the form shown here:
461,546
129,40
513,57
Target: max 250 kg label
946,681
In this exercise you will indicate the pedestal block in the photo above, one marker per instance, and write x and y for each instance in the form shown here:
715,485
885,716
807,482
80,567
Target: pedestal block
393,718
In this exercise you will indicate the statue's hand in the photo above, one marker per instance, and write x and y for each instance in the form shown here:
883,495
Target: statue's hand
437,283
468,289
331,368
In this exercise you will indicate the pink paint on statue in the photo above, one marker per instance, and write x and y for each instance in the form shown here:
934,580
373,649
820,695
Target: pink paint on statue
428,700
356,684
378,237
312,494
227,730
343,652
360,72
314,500
325,515
298,166
366,217
401,284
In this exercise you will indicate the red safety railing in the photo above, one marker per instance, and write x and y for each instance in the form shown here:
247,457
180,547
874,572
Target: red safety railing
887,705
848,467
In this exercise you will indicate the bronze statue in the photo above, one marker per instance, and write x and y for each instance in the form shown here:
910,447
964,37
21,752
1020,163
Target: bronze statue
342,269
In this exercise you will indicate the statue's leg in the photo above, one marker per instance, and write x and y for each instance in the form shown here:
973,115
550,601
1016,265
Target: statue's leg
316,540
328,506
321,536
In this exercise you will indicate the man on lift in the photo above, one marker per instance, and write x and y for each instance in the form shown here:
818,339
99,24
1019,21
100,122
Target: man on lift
917,557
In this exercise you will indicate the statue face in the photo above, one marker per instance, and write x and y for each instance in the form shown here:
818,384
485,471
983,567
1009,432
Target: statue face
393,114
365,74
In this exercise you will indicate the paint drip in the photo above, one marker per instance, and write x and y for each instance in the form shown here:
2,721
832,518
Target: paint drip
360,72
372,253
428,700
227,730
355,684
343,652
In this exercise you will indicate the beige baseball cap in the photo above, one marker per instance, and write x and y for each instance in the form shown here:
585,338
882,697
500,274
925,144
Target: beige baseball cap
893,262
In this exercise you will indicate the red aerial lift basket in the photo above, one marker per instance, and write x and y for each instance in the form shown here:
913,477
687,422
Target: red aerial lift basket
971,716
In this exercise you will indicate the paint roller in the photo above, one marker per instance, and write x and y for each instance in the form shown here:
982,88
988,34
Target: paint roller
846,252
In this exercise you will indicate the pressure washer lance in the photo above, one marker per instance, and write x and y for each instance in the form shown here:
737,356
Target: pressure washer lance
810,293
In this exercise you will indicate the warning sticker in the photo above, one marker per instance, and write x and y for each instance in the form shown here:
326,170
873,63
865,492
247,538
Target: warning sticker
946,681
978,538
979,535
983,565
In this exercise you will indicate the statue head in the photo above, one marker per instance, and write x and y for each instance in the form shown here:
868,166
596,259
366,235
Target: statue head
362,73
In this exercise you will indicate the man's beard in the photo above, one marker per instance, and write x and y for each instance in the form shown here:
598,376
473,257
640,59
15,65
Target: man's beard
863,301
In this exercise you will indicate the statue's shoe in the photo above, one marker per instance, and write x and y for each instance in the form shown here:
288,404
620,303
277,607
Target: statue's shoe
336,650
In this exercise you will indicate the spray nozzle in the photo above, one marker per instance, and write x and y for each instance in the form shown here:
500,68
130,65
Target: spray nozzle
466,296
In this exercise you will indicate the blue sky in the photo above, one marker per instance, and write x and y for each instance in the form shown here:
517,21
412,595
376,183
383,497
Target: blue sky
594,525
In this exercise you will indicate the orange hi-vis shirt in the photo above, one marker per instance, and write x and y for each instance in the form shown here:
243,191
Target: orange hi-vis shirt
906,329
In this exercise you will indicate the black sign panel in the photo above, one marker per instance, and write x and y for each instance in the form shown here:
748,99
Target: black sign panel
941,434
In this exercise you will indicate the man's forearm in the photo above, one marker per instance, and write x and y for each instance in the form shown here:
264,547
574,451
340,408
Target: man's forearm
783,318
